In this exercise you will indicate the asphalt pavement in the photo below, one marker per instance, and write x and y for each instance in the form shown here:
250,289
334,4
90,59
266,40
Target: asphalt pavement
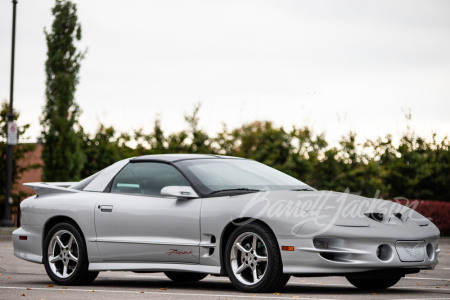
25,280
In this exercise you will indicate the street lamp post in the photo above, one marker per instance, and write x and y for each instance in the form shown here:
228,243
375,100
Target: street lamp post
7,222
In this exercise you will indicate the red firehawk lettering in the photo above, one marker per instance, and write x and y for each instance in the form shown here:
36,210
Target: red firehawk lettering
178,252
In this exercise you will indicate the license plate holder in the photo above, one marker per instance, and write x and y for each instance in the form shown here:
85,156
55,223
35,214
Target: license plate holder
410,251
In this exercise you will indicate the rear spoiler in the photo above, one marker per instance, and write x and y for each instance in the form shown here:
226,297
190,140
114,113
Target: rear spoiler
46,188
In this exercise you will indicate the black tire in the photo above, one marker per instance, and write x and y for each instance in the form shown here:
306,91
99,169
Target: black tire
373,283
185,276
64,270
264,260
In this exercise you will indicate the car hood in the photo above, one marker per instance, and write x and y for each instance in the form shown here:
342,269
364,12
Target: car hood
310,210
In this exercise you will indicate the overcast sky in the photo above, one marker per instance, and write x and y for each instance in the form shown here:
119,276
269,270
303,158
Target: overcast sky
333,65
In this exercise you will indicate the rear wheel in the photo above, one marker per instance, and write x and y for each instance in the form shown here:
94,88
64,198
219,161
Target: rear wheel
373,283
185,276
65,257
253,260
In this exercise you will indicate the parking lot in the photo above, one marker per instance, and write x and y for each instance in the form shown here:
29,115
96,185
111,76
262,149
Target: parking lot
24,280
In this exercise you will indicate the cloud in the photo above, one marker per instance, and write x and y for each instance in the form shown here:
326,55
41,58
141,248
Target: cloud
293,62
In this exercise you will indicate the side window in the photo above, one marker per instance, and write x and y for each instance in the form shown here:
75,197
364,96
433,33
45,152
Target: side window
147,178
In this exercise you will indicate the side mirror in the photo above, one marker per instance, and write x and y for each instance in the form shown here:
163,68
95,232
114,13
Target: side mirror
184,192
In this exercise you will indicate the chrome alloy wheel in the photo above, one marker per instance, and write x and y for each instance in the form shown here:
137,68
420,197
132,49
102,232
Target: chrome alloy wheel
63,253
248,258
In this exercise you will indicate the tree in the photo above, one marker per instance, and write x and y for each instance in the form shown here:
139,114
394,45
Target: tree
420,170
192,140
62,155
103,149
200,141
260,141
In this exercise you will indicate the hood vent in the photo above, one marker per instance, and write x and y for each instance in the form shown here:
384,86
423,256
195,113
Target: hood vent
375,216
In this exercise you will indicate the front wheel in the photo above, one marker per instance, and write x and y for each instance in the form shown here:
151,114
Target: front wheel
253,260
373,283
65,256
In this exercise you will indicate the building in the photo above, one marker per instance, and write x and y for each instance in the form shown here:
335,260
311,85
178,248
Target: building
32,158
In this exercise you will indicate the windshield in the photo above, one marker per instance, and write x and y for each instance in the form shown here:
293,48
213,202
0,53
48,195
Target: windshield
213,176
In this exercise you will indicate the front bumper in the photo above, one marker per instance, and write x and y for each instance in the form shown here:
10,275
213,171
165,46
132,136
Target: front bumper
349,255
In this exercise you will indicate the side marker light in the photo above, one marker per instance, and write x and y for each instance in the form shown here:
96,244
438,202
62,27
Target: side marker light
287,248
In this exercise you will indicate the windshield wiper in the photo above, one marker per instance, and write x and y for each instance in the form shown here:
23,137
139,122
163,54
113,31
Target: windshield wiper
236,189
303,190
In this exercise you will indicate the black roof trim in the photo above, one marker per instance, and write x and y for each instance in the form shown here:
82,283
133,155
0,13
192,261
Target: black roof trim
176,157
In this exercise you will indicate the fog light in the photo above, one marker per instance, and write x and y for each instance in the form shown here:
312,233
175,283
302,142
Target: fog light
384,252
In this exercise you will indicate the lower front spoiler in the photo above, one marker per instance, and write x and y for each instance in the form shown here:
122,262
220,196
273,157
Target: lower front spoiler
373,274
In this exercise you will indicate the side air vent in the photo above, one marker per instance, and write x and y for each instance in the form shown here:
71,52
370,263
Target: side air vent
213,241
375,216
208,245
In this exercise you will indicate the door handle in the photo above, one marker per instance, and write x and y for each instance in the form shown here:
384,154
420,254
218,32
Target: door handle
105,208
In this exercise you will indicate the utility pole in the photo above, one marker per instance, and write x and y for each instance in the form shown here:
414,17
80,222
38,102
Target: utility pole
12,131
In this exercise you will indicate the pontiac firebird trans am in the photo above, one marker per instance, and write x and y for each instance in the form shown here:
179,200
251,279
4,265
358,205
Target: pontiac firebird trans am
193,215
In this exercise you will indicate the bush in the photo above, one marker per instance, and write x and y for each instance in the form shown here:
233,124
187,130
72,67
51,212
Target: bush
437,211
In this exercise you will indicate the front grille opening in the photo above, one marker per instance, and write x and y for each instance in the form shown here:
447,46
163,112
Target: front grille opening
375,216
337,257
329,256
320,244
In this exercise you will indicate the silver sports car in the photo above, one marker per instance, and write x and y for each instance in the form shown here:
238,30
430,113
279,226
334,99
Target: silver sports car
193,215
